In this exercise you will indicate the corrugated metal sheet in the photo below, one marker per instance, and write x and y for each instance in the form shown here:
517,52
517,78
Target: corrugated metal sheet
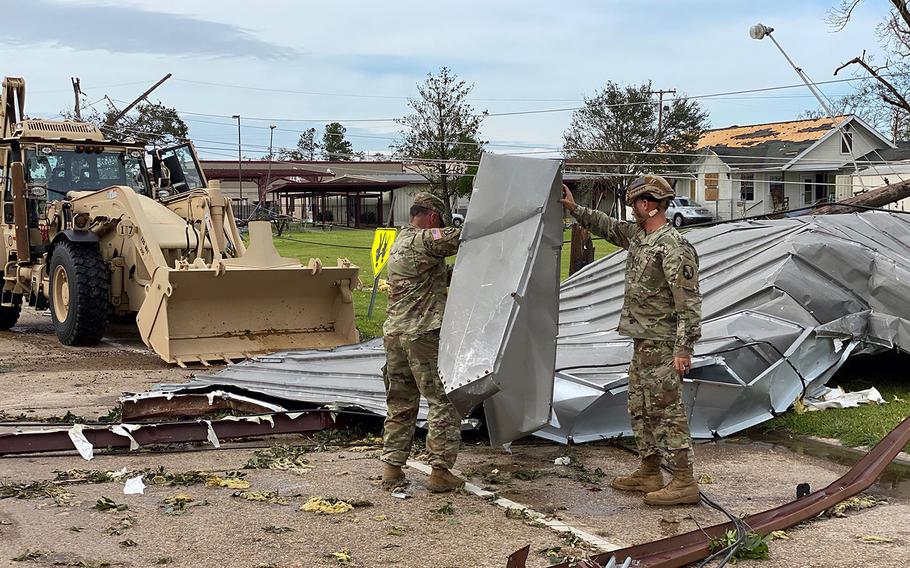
785,303
498,337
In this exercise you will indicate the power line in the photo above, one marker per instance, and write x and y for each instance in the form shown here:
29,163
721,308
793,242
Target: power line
511,99
563,109
543,149
90,87
468,163
357,95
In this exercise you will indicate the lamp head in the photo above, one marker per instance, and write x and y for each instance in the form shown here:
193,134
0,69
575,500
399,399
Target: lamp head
759,31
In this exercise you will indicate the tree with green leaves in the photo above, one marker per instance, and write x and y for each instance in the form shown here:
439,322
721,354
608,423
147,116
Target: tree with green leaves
622,131
306,149
151,123
334,144
442,133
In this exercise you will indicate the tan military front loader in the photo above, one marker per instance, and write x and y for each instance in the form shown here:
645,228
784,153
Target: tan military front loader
84,236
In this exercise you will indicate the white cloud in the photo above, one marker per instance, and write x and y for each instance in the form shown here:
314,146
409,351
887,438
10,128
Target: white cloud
509,50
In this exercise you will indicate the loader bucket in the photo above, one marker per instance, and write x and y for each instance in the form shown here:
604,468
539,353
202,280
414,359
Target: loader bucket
200,315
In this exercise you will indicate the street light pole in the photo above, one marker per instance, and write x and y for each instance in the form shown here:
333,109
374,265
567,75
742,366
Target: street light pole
761,31
268,176
239,163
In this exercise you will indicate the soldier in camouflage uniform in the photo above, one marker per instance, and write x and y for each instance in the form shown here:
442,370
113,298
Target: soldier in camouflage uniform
418,281
662,313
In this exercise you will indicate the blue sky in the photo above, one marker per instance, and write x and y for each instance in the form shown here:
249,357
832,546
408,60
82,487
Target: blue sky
299,64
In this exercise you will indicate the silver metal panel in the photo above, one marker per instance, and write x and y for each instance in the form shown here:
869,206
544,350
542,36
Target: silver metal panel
497,344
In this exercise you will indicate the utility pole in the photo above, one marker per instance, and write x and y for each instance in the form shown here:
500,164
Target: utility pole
268,176
77,91
660,106
113,120
239,164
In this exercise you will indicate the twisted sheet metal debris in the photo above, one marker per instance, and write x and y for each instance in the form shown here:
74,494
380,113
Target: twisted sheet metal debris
147,406
785,303
349,376
497,343
85,439
684,549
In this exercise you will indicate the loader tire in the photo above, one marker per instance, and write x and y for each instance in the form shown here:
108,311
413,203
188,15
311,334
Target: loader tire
79,293
9,315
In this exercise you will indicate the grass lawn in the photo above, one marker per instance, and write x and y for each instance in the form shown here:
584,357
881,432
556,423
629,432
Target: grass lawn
354,244
864,425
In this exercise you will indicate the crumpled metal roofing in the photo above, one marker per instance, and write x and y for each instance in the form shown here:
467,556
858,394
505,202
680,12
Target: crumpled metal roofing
785,302
497,340
345,376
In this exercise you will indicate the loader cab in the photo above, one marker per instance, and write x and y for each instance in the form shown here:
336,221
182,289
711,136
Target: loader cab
53,170
50,170
176,170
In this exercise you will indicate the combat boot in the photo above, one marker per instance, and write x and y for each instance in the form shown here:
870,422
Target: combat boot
646,478
682,490
442,480
392,476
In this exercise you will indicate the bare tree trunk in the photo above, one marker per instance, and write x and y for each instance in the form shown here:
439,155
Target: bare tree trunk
581,251
877,197
446,197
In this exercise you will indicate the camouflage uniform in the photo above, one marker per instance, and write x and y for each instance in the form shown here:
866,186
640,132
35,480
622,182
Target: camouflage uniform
418,280
661,312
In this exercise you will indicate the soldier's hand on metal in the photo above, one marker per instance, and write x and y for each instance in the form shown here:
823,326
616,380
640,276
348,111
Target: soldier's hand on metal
568,201
682,364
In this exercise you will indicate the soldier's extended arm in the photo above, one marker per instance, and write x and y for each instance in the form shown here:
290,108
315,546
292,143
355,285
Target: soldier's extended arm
617,232
681,270
442,242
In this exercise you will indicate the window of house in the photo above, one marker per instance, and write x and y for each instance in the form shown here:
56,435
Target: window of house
711,183
807,192
747,187
846,140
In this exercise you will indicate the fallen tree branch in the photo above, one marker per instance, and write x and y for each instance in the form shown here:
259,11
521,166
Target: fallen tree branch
877,197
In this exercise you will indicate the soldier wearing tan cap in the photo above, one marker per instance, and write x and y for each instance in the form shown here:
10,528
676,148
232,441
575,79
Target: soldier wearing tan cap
418,282
662,313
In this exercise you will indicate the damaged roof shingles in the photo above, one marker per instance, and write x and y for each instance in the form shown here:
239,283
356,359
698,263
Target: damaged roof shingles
755,134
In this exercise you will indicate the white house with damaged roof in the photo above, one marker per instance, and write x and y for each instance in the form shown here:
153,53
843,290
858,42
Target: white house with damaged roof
762,168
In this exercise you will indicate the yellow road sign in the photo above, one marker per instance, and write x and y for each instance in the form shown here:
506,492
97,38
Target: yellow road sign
382,245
